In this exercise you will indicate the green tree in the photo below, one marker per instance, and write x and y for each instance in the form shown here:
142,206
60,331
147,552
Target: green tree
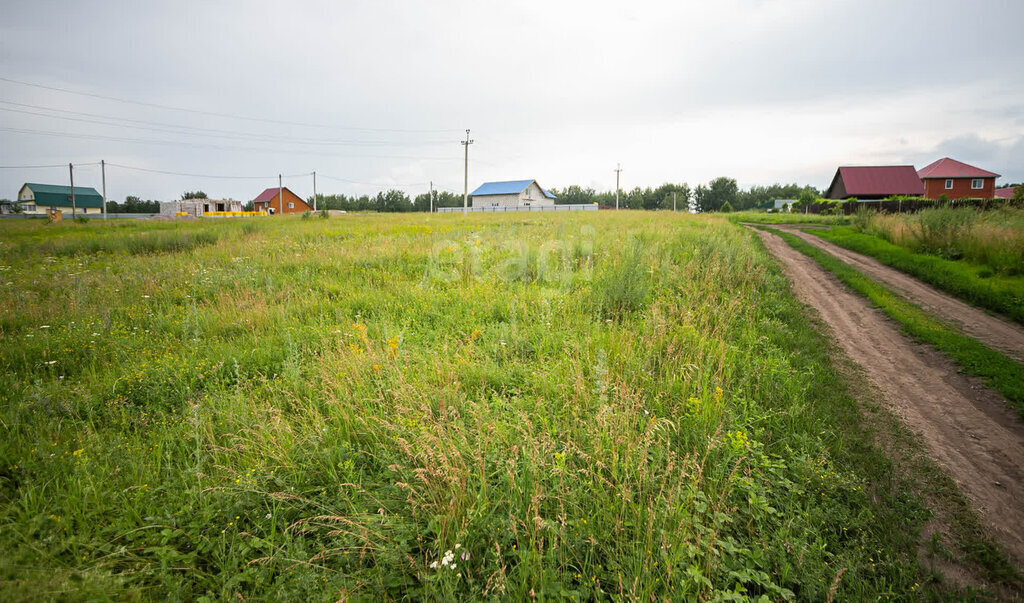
726,208
193,195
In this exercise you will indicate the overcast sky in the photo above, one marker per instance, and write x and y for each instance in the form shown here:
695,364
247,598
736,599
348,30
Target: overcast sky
378,94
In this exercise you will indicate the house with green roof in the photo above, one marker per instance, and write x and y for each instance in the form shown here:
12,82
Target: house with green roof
41,198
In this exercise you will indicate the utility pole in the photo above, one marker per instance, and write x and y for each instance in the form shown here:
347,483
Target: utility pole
465,180
618,168
314,190
103,171
74,210
673,200
280,195
431,196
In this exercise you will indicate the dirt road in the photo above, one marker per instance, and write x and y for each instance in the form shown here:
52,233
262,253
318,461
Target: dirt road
967,428
996,333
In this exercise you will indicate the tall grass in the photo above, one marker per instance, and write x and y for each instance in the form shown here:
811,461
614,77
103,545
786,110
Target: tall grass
382,407
993,238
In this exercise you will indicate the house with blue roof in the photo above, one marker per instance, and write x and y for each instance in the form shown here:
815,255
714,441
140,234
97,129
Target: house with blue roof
511,193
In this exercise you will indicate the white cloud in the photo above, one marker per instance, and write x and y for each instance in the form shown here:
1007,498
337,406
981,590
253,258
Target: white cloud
762,91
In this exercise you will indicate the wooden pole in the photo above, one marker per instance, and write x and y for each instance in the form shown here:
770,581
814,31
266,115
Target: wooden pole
71,172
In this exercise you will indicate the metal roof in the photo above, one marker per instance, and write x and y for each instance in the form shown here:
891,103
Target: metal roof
59,195
507,187
951,168
876,180
270,194
1004,193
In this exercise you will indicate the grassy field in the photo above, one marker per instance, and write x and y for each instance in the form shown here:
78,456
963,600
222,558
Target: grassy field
613,404
761,217
994,239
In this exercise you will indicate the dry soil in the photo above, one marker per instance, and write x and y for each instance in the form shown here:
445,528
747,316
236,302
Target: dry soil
966,427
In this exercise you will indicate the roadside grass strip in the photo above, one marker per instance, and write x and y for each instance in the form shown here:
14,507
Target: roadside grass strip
998,371
970,282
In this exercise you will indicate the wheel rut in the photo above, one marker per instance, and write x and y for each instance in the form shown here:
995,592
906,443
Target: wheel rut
995,332
967,428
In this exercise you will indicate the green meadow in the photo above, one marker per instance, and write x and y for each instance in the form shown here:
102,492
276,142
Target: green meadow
596,405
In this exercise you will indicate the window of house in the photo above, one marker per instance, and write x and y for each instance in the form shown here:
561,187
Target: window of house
977,184
529,193
949,184
494,204
291,204
527,204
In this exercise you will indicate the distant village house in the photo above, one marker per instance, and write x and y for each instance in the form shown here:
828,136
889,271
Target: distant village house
41,199
271,201
957,180
199,207
520,193
868,182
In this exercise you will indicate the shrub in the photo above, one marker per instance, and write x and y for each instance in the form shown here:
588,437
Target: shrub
324,214
307,215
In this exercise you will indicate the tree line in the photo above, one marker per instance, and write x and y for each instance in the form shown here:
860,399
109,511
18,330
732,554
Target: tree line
720,194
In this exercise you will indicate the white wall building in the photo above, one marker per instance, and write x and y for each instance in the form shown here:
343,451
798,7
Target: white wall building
511,193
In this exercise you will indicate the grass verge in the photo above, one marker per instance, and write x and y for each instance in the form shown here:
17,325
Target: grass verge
998,371
973,283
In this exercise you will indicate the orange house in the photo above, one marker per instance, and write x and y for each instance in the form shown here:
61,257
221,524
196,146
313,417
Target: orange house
957,180
272,202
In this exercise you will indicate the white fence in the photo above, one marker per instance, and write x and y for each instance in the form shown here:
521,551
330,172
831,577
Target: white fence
573,207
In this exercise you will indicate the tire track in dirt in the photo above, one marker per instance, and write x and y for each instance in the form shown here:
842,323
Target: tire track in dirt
997,333
966,427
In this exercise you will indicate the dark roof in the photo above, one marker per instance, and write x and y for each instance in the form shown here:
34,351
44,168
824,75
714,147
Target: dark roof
58,195
270,194
507,187
877,180
951,168
1004,193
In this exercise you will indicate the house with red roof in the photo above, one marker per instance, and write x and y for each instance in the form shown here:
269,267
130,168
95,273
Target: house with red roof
280,201
957,180
1004,193
874,182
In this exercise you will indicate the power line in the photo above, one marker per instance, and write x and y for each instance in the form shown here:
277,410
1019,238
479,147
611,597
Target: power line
213,146
111,121
152,171
216,114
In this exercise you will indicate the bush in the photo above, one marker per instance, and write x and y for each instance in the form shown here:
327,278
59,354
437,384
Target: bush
307,215
81,219
324,214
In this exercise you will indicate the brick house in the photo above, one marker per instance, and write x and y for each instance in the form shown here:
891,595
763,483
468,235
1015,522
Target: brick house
271,202
957,180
